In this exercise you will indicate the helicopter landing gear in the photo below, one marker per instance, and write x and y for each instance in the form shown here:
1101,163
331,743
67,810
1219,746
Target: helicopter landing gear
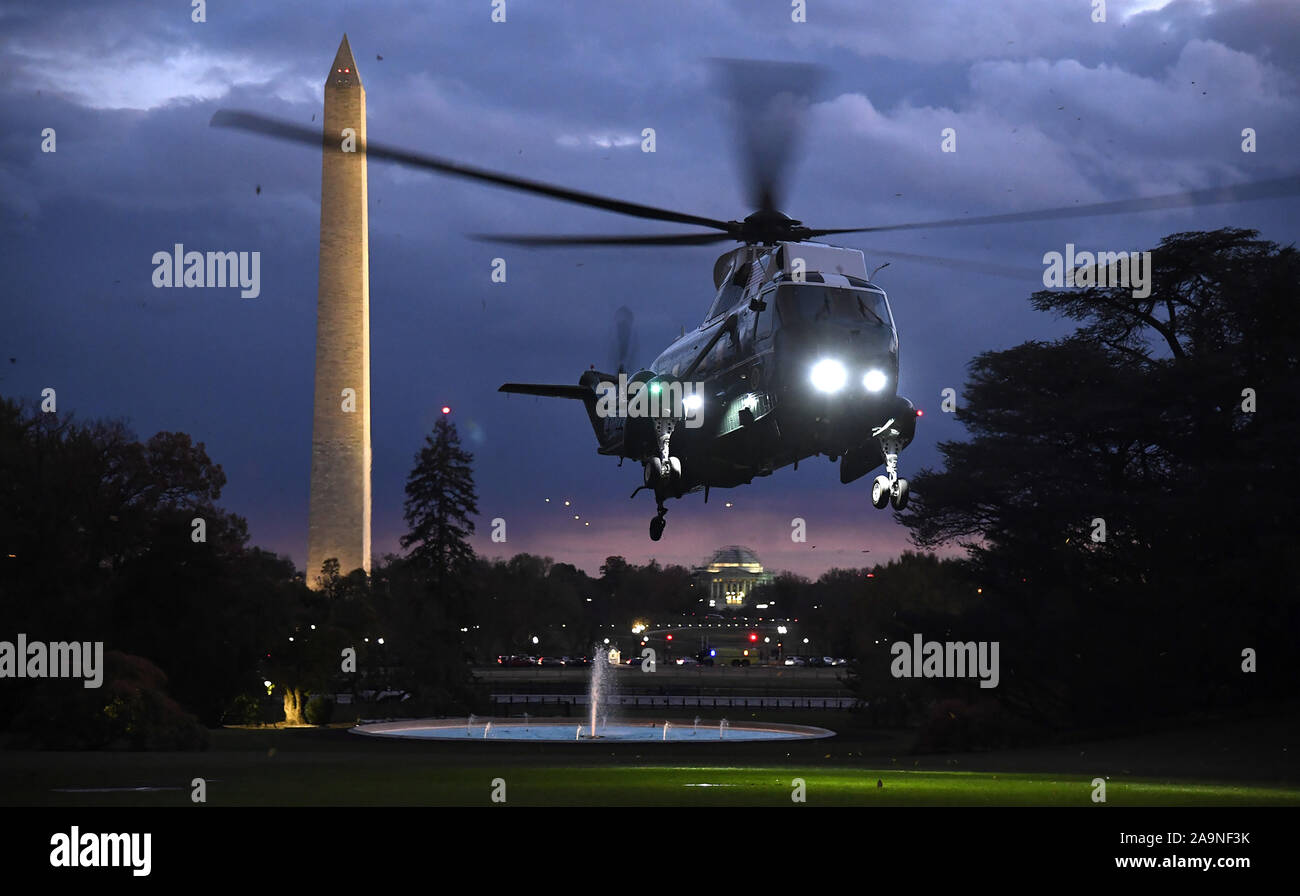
880,490
664,472
657,523
899,493
662,475
889,488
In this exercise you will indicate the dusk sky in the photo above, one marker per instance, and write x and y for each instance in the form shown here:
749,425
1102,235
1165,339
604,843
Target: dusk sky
1049,109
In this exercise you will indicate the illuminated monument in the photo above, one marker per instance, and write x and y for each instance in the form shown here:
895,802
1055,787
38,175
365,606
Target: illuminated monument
339,518
729,577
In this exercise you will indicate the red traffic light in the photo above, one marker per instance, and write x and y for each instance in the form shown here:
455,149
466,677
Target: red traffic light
753,636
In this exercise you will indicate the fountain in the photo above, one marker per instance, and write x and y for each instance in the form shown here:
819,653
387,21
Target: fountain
598,684
598,726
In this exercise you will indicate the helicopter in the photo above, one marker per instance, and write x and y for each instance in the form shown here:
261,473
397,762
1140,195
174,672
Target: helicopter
797,356
797,353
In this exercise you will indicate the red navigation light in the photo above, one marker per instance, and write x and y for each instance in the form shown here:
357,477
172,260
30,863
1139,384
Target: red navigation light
670,637
753,636
920,413
445,409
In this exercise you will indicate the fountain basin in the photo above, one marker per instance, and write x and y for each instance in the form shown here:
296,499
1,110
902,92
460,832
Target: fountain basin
560,730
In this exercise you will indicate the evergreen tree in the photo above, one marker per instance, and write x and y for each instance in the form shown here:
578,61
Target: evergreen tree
440,505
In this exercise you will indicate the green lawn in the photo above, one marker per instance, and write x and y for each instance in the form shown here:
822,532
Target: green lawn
265,782
1243,764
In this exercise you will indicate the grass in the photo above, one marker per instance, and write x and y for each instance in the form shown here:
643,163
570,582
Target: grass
303,779
1241,764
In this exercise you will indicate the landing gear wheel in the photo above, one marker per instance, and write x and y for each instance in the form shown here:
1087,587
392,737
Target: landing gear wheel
657,528
880,492
898,494
654,472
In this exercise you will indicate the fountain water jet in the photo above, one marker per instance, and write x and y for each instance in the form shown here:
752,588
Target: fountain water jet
598,686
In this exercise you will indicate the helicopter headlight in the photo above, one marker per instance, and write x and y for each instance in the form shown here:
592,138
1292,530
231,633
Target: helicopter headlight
829,375
692,402
874,380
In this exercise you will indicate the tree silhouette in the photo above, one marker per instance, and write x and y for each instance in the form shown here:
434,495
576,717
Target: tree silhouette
1129,494
440,505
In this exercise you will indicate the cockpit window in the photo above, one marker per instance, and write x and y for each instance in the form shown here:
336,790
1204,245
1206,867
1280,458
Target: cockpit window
811,302
733,287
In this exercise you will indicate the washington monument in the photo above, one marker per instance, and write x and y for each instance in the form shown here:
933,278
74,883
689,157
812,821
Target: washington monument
339,519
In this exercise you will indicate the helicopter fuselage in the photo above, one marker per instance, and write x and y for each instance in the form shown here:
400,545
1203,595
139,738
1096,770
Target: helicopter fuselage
791,362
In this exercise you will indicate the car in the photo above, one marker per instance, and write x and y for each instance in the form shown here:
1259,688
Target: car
796,661
687,661
550,661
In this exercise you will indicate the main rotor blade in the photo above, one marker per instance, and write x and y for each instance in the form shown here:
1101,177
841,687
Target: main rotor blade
770,102
282,130
962,264
1274,188
679,239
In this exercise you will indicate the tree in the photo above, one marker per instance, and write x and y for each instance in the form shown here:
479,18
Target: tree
426,594
98,535
440,505
1137,422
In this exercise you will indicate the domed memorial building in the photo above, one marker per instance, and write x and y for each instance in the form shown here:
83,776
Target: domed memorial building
730,576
